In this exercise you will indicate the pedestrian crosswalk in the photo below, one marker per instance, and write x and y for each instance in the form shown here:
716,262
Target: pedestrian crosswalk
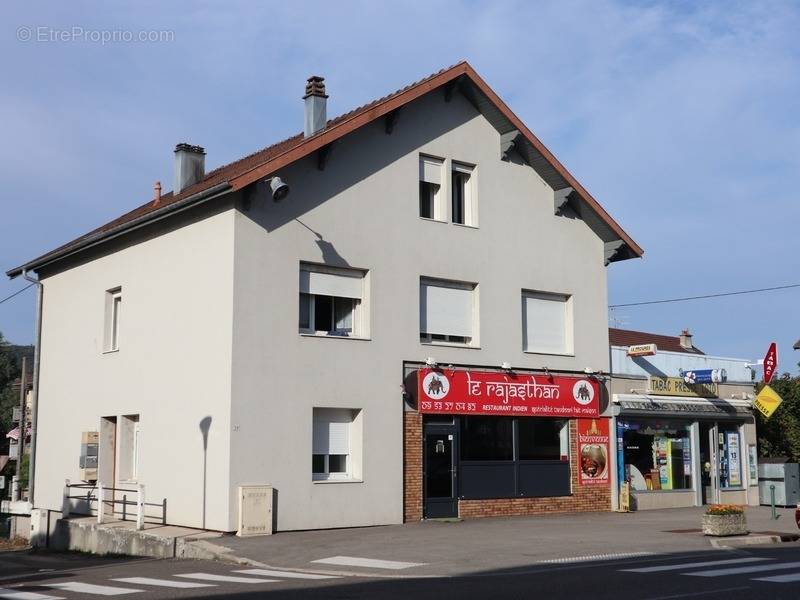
120,586
743,565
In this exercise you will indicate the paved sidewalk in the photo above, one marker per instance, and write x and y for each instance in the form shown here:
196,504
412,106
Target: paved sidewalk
451,548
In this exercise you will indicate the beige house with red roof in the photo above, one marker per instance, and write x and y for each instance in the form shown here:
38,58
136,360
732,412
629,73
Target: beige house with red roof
265,322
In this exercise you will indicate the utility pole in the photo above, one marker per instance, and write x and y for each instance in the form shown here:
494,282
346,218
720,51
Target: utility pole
22,422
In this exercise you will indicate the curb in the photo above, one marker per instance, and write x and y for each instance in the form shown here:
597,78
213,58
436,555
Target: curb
749,540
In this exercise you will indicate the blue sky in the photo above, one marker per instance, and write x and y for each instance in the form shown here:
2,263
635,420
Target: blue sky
680,118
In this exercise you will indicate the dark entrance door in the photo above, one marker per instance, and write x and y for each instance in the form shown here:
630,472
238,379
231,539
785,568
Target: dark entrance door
440,473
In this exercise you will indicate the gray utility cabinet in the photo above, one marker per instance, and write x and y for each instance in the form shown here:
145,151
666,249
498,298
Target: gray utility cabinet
785,476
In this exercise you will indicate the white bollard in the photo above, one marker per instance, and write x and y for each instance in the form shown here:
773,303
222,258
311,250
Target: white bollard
100,508
140,507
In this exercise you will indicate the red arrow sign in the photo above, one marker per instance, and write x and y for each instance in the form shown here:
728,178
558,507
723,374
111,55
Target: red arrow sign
770,362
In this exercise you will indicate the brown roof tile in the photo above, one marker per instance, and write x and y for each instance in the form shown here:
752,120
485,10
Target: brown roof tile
668,343
260,164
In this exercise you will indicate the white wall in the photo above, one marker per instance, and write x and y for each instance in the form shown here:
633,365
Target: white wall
668,364
362,211
172,368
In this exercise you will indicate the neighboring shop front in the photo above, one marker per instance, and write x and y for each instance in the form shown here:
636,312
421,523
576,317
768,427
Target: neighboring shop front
683,444
482,442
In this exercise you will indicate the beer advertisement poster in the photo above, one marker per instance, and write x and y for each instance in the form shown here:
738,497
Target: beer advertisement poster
593,449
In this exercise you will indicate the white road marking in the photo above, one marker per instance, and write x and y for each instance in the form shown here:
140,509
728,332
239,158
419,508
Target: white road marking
226,578
742,570
708,563
9,594
373,563
591,557
163,582
89,588
780,578
286,574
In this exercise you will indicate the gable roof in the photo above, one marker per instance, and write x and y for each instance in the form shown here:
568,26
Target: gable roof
667,343
256,166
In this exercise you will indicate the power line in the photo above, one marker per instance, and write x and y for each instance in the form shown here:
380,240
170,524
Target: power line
769,289
17,293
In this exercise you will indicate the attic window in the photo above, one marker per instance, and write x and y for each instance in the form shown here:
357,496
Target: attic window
430,185
464,202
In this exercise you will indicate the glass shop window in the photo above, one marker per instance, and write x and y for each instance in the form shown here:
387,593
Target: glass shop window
730,458
658,455
543,439
487,438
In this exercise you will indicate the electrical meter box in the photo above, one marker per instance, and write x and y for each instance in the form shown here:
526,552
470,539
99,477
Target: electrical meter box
88,462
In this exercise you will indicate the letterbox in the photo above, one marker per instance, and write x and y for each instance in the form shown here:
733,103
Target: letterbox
88,459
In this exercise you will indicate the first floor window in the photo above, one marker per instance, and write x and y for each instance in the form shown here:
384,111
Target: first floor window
447,311
331,301
657,454
546,323
335,437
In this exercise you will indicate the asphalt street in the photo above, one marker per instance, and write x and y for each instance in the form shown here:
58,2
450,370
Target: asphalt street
758,572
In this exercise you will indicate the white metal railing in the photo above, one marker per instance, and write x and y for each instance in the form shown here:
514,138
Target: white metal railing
98,498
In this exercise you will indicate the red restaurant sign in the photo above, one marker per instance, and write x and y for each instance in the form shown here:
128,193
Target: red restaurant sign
442,391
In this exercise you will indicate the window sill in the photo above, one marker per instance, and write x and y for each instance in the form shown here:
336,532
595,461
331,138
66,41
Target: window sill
443,221
543,353
111,351
325,481
450,345
466,226
335,337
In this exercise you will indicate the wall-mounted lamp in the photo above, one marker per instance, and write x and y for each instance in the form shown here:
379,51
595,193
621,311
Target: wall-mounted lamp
431,362
278,188
506,366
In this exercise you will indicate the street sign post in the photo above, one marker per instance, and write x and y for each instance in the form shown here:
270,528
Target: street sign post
770,362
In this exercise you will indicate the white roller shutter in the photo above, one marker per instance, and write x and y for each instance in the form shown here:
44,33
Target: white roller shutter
546,324
331,433
329,284
430,170
445,310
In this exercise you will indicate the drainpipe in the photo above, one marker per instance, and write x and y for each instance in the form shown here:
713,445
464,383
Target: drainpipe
35,399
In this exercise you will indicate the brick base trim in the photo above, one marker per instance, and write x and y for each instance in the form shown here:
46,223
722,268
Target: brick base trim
412,466
584,498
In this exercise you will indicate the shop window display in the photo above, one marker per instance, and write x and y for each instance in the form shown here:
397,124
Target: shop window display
658,455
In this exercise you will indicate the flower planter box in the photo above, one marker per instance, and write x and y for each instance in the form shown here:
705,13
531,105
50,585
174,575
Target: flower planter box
722,525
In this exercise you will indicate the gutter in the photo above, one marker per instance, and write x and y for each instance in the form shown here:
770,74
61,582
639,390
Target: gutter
213,192
35,395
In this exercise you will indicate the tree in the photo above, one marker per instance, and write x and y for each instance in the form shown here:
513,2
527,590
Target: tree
9,371
780,434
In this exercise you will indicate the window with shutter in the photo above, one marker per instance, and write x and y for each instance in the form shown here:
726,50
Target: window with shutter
547,323
446,311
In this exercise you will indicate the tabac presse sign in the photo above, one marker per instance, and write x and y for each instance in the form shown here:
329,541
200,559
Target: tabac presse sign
677,386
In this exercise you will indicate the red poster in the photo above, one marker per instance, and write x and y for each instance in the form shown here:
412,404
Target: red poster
770,362
593,449
444,391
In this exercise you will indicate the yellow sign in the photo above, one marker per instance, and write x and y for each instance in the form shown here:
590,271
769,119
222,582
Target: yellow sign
676,386
767,401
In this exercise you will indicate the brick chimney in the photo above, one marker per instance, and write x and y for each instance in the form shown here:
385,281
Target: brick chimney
316,110
190,166
686,340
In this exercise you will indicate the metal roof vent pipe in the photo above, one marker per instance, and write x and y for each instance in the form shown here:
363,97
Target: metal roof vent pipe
190,166
316,106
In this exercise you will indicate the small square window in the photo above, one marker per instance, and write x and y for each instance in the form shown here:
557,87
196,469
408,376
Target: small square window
331,301
336,443
447,312
547,323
